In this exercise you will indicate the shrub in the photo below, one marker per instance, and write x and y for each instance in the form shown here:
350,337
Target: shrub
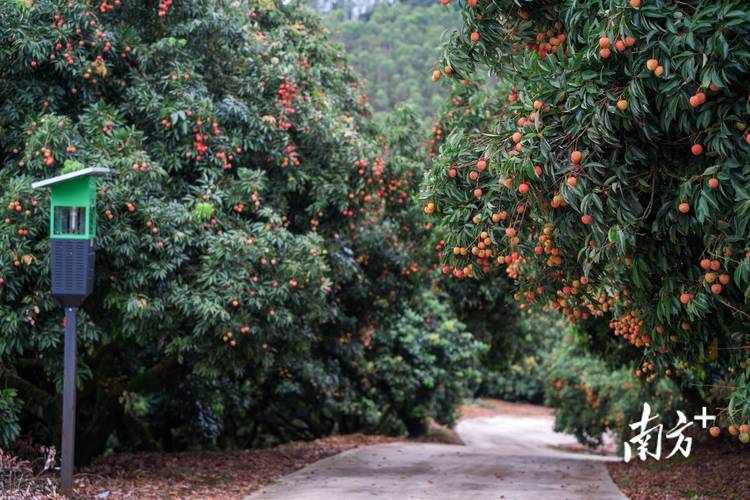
520,367
420,374
591,398
10,408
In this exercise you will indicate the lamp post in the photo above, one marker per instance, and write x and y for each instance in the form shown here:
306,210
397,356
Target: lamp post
72,233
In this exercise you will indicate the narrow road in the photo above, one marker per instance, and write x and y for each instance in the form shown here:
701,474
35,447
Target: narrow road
505,457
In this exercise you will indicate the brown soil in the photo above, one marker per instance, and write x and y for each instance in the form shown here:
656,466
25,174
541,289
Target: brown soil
715,469
493,407
439,434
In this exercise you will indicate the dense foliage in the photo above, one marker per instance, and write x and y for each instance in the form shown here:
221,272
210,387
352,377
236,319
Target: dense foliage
614,183
394,48
530,355
260,266
591,398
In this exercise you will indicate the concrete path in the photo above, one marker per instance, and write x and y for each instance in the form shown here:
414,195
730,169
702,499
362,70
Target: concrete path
504,457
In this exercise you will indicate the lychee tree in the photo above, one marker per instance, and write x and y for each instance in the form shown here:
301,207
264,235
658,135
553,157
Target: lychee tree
258,246
534,356
615,184
486,306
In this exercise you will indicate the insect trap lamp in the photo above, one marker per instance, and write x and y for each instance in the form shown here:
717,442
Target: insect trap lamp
72,233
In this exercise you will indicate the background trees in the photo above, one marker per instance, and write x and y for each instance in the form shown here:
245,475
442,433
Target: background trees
261,266
394,48
612,186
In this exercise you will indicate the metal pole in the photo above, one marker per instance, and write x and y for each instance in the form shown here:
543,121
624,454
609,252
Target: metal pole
69,402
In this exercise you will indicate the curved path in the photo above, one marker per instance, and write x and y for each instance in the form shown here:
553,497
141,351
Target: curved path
504,457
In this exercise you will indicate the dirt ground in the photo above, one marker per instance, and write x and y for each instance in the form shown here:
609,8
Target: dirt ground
493,407
715,469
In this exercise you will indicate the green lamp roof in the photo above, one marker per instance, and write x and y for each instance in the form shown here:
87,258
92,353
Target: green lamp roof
72,175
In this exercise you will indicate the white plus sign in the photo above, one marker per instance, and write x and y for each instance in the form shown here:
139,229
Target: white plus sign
704,417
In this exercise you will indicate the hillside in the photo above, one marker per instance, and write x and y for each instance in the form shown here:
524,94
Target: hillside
395,48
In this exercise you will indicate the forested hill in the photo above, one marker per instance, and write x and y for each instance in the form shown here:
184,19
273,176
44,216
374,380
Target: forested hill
354,9
395,47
